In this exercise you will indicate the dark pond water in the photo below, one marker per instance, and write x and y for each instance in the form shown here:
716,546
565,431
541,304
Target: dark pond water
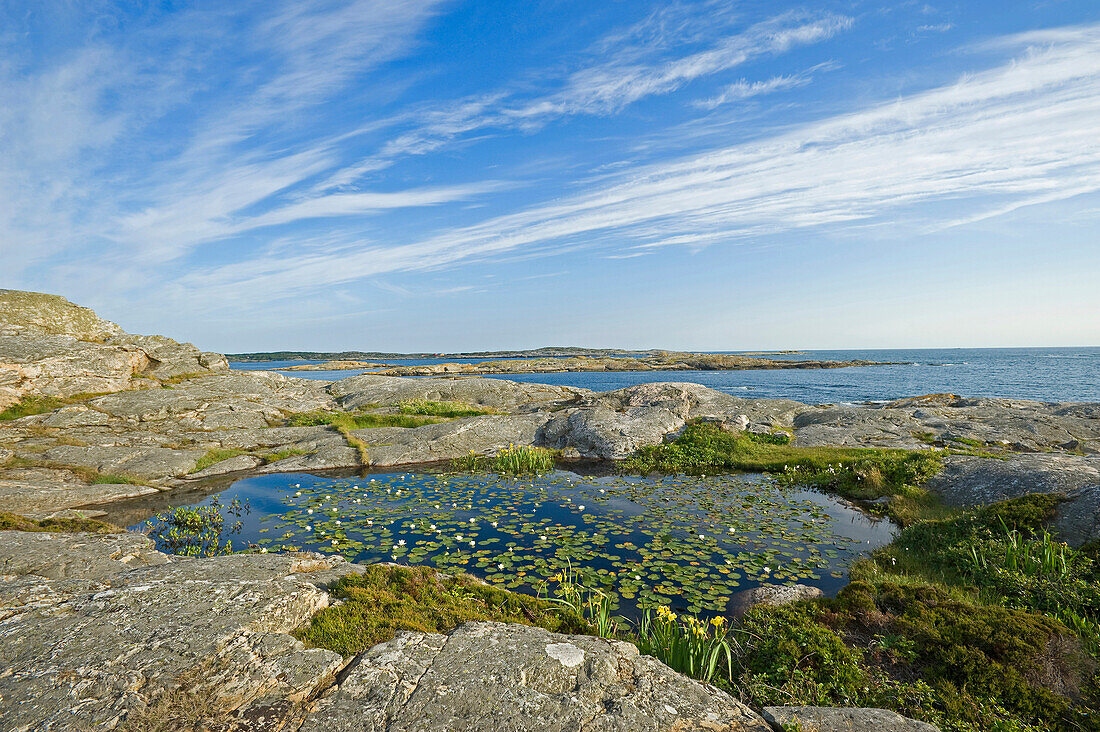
688,542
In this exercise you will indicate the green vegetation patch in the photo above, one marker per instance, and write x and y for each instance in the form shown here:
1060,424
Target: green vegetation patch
852,472
977,622
385,599
346,421
32,405
15,522
442,409
217,455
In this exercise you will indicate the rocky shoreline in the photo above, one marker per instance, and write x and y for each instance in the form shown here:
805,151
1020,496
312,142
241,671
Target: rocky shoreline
95,416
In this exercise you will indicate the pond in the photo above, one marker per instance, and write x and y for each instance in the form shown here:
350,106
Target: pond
688,542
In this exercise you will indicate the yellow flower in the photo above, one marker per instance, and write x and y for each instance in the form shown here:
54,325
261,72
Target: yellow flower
718,622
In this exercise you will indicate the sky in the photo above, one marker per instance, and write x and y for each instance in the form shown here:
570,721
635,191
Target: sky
449,175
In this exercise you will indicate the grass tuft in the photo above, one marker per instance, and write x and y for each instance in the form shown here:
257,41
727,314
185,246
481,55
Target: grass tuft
513,460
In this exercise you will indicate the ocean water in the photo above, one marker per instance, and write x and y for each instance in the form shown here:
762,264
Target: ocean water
1043,374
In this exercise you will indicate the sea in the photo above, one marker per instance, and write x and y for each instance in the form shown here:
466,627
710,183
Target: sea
1041,374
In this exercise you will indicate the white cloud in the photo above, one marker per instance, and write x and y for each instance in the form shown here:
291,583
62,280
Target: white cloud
633,66
1022,133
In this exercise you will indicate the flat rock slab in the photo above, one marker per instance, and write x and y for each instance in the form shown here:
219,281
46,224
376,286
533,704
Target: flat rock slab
369,389
83,654
487,677
829,719
233,400
41,492
74,556
143,462
448,440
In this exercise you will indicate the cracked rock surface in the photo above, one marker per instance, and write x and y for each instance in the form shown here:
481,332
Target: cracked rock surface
493,676
96,630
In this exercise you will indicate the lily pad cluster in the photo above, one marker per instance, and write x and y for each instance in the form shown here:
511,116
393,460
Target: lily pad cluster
686,542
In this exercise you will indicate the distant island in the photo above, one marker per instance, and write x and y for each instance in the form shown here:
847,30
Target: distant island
544,352
656,361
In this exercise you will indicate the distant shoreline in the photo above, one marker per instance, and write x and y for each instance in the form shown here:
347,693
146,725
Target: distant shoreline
545,352
563,364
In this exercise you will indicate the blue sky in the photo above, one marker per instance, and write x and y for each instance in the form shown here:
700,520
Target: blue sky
448,175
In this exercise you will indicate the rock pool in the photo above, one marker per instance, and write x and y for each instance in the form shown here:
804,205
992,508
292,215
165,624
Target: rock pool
688,542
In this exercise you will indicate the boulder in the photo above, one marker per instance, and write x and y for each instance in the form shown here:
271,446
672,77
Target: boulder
772,596
491,676
830,719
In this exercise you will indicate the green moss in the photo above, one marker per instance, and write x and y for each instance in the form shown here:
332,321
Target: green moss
442,409
385,599
856,473
15,522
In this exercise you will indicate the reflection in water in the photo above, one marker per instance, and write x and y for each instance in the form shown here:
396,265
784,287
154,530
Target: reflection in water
686,541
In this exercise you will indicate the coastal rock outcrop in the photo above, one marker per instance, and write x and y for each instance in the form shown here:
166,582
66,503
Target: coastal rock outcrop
51,347
103,631
611,425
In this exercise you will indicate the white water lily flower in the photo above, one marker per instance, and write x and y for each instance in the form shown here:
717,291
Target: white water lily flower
500,566
263,550
494,524
543,537
309,528
337,523
701,536
297,494
472,543
767,569
309,510
400,542
580,507
458,537
432,527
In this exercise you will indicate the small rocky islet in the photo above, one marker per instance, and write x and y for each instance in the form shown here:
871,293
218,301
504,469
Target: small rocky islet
101,629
